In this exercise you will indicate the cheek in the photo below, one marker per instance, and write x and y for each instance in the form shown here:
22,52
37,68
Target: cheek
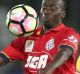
57,12
41,15
56,16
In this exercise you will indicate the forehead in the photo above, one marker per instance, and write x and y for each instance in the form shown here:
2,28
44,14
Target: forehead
49,2
58,3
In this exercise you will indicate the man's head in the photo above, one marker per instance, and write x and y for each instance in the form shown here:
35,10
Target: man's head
52,12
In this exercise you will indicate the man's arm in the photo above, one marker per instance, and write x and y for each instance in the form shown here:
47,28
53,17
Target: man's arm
3,59
60,58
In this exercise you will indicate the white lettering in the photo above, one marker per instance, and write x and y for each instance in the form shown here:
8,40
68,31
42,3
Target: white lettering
37,62
28,61
34,62
42,61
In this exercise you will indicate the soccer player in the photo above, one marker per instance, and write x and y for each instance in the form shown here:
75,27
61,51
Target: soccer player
52,49
63,58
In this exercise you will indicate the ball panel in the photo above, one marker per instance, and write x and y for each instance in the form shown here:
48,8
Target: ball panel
17,14
29,24
15,28
30,10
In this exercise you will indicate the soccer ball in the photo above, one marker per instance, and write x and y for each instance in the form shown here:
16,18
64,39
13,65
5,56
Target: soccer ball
22,20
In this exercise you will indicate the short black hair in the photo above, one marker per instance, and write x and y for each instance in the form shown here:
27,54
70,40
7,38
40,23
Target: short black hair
62,3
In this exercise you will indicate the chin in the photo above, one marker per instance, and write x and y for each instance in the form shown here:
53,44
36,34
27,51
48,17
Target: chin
48,26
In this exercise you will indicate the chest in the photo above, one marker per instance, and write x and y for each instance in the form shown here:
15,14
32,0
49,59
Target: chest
41,51
47,44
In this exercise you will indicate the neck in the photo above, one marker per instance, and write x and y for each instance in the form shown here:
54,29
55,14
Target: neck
48,27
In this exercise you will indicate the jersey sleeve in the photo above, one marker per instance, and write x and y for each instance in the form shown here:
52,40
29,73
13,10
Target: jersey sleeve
71,39
13,51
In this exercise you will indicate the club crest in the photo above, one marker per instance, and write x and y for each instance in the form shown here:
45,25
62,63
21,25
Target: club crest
50,44
29,45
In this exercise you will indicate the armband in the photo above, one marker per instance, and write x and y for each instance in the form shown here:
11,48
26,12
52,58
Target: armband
66,46
6,59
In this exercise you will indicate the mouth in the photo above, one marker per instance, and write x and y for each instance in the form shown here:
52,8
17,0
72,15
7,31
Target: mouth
48,18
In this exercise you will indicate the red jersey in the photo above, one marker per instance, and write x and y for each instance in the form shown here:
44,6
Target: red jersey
38,51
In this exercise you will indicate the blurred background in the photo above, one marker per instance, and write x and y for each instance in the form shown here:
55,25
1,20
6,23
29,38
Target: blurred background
72,19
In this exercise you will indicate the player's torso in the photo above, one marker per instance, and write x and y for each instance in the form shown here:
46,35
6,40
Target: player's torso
41,50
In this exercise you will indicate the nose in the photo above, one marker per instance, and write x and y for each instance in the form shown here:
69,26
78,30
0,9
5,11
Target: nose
47,11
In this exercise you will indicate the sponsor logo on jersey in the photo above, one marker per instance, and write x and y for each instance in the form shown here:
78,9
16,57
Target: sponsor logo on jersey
36,62
50,44
29,45
72,39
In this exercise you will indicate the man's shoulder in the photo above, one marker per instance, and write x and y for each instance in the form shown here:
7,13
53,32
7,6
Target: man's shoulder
70,29
18,41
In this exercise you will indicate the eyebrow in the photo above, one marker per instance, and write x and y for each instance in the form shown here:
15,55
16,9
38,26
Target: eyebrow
48,4
44,4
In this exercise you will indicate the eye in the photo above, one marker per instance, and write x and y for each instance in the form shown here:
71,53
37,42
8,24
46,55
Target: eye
53,8
43,9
